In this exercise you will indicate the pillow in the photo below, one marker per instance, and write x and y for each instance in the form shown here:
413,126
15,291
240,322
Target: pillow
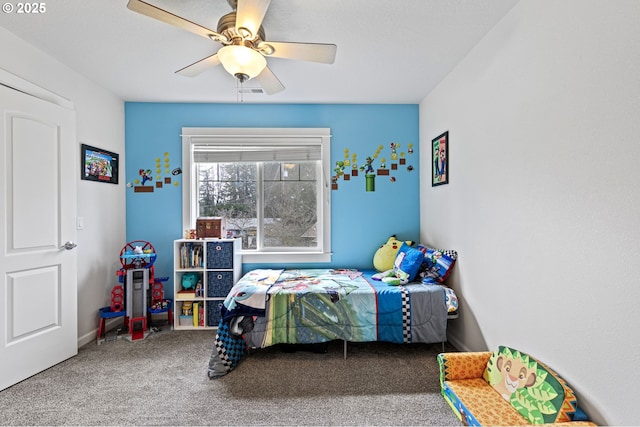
451,299
534,390
408,261
437,264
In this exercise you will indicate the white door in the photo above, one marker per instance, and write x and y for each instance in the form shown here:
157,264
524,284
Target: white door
39,164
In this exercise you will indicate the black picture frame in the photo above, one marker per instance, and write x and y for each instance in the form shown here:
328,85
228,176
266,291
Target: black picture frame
98,165
440,159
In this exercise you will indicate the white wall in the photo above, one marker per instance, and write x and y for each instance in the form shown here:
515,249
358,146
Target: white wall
543,203
100,122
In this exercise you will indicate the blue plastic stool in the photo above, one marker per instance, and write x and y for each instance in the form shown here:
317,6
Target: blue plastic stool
106,313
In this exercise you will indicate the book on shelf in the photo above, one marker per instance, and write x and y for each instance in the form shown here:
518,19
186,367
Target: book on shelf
201,315
186,294
191,255
196,312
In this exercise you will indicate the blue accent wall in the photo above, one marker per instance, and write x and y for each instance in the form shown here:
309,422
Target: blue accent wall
361,221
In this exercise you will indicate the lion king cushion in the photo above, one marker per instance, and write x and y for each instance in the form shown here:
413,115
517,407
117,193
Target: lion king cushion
533,389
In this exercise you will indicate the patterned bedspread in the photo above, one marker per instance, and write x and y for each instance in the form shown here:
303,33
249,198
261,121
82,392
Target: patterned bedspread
268,307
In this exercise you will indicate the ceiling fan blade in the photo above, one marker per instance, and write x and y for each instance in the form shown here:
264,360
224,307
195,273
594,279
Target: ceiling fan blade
169,18
250,14
269,81
200,66
314,52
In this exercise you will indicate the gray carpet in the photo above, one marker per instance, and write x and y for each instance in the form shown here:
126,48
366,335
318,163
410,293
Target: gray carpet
162,380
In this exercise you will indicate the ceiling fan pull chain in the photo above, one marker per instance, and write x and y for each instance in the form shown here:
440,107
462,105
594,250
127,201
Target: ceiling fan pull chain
240,92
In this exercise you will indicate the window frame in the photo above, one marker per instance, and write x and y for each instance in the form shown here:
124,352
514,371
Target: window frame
322,136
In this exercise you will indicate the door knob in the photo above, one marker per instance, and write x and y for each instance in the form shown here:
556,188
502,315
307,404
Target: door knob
68,246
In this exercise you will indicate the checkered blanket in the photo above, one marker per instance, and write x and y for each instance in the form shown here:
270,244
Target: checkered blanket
228,351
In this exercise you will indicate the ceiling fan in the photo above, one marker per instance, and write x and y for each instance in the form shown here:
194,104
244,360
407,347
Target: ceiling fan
244,48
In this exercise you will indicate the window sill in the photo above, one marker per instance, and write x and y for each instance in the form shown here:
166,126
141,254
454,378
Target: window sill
284,257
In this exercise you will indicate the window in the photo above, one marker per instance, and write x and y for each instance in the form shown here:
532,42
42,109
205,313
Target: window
270,184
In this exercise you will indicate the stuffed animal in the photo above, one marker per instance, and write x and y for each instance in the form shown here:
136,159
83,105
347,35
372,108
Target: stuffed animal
386,254
392,277
189,280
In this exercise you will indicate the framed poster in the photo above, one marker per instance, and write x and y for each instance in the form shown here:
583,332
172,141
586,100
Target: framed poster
97,164
440,160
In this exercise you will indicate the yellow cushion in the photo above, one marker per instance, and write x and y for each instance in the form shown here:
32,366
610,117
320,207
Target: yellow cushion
460,366
485,404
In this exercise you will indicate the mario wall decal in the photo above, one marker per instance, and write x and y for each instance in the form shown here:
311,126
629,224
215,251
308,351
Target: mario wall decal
164,175
348,167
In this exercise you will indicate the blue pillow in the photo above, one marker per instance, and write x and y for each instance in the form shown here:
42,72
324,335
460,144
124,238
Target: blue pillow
408,260
437,265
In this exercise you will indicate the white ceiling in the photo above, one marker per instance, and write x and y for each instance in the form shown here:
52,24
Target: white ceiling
388,51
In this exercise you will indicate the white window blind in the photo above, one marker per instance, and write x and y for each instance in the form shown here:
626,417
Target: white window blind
206,150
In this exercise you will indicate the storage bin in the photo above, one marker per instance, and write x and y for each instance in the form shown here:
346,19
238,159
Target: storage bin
220,254
219,283
213,313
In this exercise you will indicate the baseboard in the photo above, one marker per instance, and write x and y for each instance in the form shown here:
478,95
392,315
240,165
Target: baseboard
87,338
459,345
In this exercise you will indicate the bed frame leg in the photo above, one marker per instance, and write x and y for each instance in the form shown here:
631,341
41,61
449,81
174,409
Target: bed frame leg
345,349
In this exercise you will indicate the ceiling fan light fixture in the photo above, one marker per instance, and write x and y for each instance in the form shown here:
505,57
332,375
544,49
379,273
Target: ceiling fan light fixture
265,48
245,33
220,38
241,62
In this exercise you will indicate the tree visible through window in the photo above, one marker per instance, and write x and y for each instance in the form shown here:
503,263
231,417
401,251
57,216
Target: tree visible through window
272,201
270,184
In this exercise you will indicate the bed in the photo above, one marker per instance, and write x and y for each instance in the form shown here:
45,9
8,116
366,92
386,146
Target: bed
309,306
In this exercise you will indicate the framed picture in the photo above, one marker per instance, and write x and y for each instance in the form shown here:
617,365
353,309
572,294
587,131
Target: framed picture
440,160
97,164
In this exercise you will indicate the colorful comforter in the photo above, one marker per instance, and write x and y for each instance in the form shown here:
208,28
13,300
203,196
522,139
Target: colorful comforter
268,307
